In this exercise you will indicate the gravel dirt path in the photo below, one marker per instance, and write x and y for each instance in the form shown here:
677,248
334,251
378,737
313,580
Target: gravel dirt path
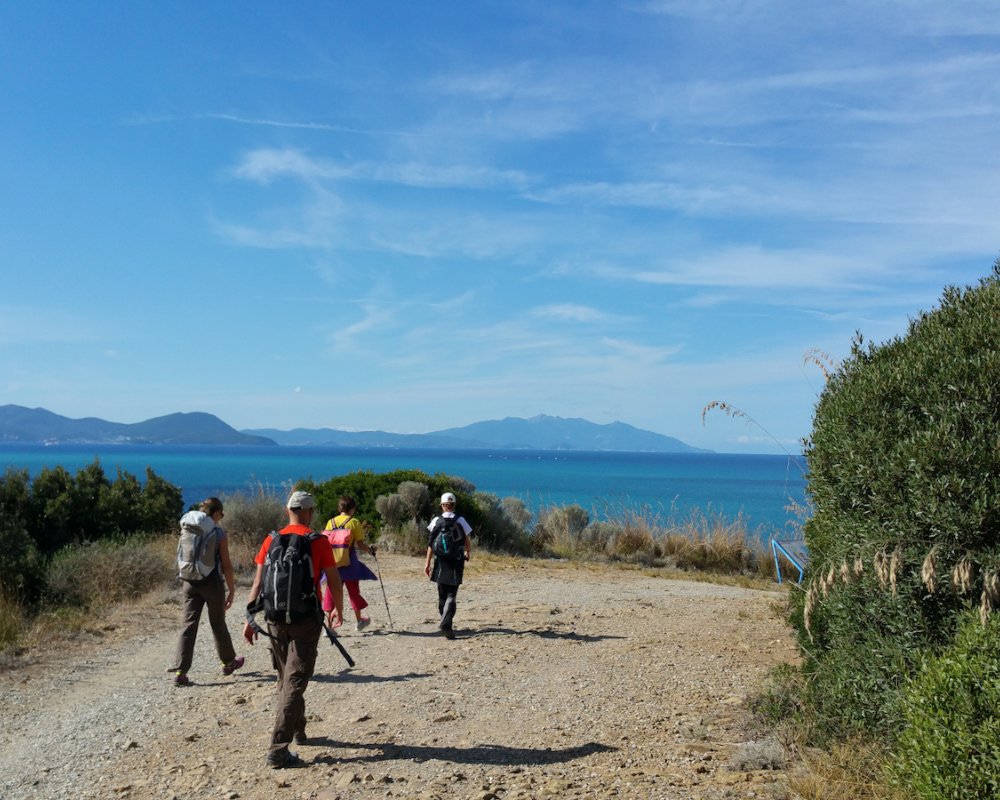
565,681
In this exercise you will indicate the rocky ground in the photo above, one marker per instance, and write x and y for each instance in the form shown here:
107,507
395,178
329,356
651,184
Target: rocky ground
565,681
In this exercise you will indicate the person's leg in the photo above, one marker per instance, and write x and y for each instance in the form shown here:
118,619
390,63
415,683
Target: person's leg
358,603
298,646
442,596
448,605
214,593
190,616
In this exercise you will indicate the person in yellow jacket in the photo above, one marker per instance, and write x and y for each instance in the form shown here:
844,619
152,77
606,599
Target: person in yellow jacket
347,536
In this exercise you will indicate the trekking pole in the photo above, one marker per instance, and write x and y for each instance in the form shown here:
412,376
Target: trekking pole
379,571
335,640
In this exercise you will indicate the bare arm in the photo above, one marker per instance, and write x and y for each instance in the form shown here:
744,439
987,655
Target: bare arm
248,632
227,571
336,587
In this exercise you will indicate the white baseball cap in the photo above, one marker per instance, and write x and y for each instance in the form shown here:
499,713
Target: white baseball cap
301,500
448,499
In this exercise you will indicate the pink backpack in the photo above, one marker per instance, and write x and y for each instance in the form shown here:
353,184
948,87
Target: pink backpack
340,540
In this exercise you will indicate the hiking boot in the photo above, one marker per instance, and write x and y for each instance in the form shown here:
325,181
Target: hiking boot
283,759
362,623
181,679
232,666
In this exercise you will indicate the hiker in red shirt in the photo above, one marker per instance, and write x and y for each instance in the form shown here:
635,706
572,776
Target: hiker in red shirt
295,627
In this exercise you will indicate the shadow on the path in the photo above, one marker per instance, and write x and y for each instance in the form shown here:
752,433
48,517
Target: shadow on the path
347,676
541,633
492,754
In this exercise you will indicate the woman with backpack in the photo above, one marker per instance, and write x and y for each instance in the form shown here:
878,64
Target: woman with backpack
347,536
202,563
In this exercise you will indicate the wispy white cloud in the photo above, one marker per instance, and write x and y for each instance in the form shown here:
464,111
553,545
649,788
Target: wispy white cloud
267,164
571,312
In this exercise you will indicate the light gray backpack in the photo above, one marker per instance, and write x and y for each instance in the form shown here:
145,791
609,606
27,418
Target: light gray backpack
198,546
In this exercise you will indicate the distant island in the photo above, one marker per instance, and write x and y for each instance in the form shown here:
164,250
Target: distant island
20,424
542,432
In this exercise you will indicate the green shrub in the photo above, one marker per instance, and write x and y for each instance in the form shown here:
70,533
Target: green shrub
949,748
20,560
902,464
409,539
499,532
11,619
98,574
781,697
598,535
365,486
559,530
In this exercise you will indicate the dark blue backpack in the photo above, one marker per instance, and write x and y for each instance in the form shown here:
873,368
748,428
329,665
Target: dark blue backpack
448,543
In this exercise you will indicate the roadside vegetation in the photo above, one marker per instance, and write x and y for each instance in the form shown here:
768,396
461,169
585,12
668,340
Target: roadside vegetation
898,694
71,546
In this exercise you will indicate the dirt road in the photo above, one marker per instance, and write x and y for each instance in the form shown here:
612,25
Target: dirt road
564,681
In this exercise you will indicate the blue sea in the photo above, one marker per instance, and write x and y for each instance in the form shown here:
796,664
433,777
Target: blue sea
671,486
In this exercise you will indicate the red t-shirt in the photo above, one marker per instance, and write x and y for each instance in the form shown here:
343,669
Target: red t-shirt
321,552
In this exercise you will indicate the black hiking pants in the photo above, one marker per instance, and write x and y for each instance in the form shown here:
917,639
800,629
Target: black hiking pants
447,603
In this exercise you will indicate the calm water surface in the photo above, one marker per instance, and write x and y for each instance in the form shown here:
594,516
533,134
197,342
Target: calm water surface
759,487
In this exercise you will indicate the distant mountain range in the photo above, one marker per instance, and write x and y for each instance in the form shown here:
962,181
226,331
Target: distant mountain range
541,432
19,424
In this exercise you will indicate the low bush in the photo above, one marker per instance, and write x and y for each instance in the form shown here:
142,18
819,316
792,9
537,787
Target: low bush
249,517
559,531
949,747
12,620
633,543
760,755
780,699
597,537
99,574
500,532
409,539
713,543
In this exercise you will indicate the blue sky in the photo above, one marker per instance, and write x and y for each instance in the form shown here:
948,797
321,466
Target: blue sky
416,215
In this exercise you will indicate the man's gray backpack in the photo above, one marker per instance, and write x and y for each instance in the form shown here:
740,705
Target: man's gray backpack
198,546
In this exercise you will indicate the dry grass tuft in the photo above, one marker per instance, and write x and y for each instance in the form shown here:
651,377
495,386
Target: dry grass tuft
851,770
713,543
12,620
760,755
821,359
812,598
881,565
895,565
990,596
962,575
928,571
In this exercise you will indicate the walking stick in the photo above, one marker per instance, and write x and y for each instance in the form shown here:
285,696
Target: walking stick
379,571
335,640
